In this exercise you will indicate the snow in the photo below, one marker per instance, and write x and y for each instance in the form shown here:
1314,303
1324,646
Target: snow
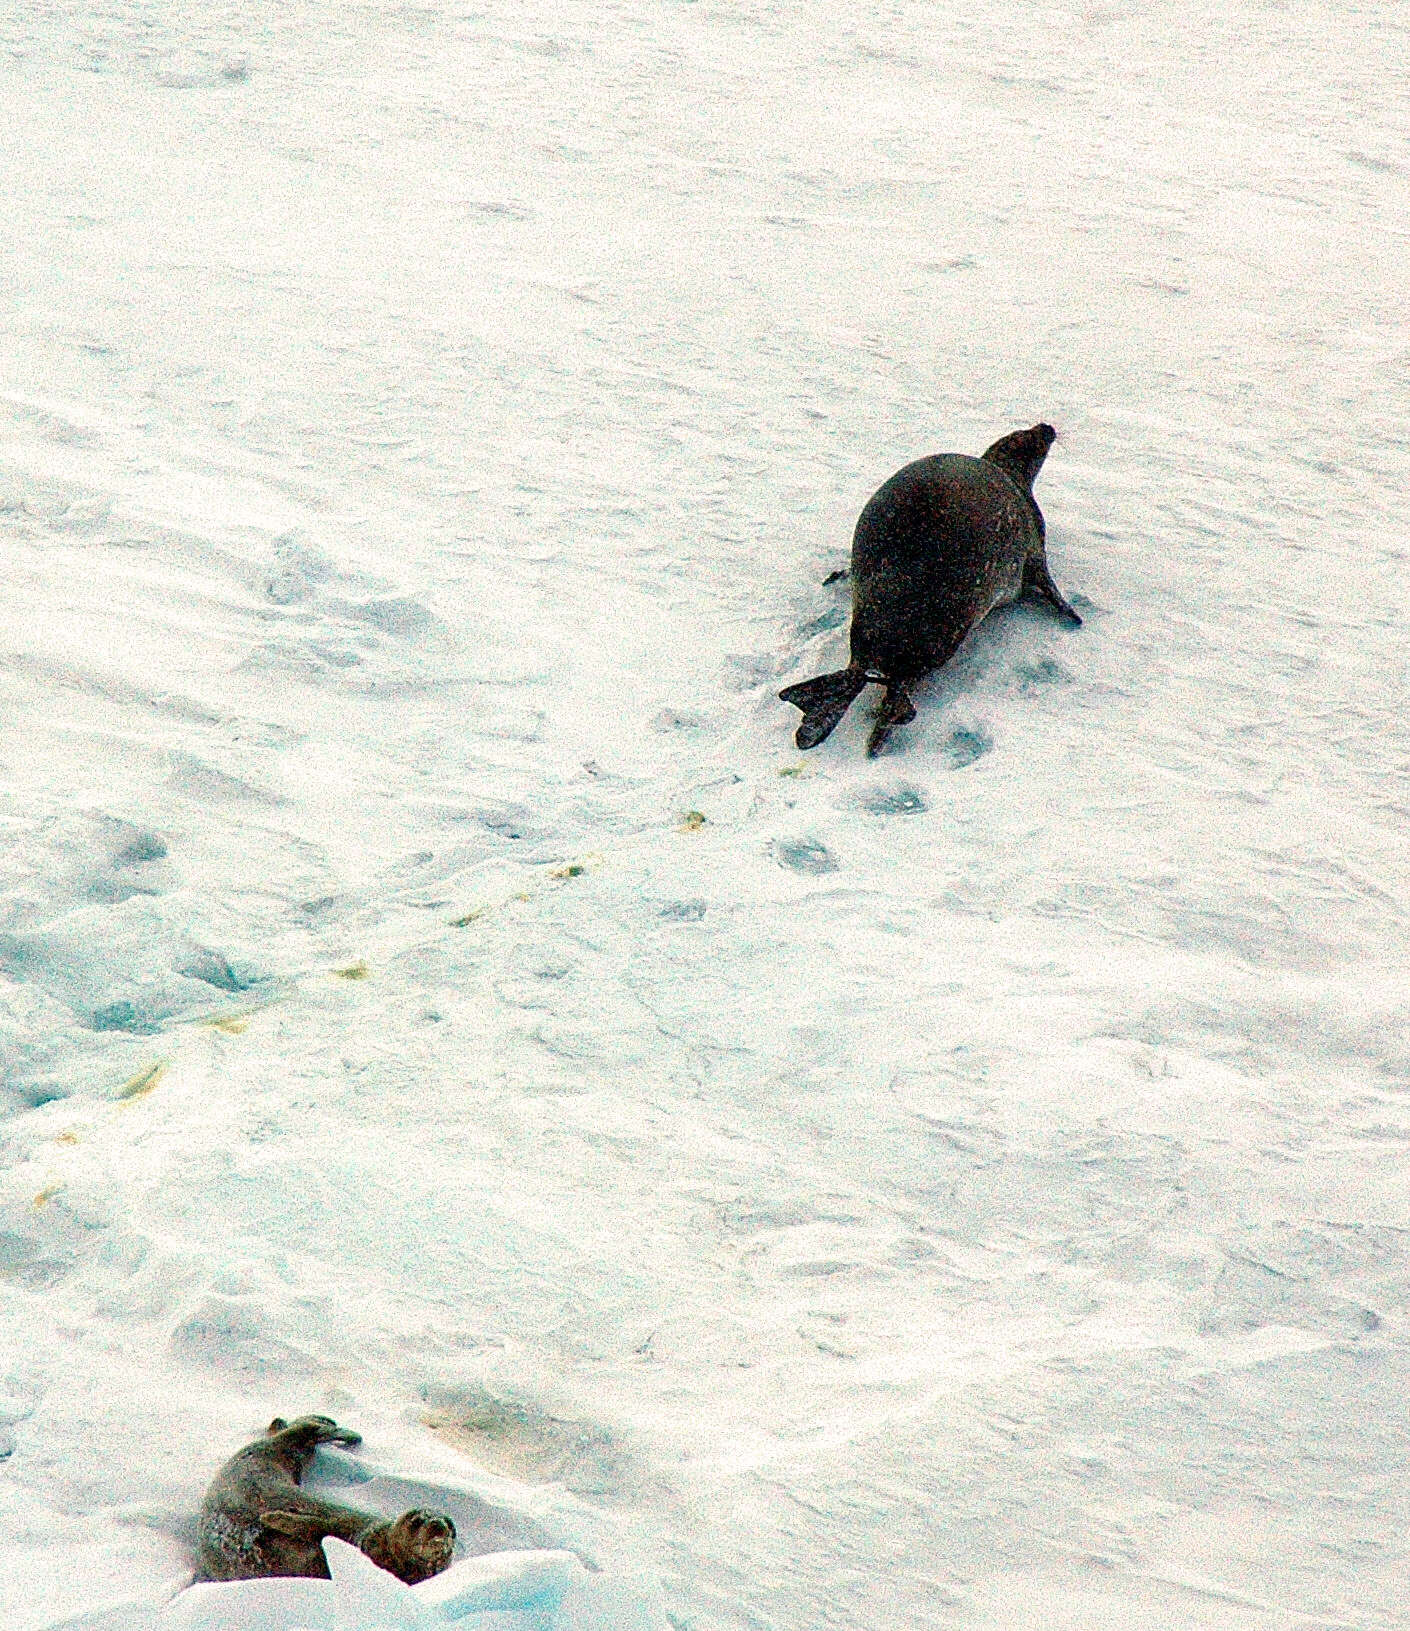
503,1591
965,1188
500,1591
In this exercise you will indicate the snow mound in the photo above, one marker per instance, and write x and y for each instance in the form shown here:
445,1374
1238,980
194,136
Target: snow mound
501,1591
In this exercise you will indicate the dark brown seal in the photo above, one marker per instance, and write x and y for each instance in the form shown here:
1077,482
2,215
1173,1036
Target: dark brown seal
257,1523
936,549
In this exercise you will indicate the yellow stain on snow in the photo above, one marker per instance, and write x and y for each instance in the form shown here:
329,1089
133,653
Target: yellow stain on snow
572,869
144,1081
46,1195
234,1021
228,1024
354,971
68,1136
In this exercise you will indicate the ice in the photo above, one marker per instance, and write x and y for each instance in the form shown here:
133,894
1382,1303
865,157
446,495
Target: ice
528,1581
369,1597
279,1605
499,1591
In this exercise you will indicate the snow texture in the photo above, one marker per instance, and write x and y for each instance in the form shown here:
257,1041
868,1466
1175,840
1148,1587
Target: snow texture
964,1189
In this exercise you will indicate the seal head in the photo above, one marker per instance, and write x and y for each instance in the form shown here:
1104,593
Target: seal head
1020,454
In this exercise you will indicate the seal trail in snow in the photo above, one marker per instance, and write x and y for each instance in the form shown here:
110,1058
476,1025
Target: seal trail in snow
937,548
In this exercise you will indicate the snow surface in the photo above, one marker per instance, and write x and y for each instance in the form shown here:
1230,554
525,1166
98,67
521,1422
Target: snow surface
965,1189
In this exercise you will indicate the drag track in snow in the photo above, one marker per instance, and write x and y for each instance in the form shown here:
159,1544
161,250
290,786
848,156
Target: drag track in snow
961,1189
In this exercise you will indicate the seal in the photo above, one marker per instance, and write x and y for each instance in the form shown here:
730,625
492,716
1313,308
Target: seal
937,548
256,1523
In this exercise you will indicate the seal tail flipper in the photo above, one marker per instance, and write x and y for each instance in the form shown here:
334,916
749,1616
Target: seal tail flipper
306,1431
823,701
896,709
1037,580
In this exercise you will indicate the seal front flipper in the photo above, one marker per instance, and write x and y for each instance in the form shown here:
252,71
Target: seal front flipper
1037,580
823,701
896,709
298,1525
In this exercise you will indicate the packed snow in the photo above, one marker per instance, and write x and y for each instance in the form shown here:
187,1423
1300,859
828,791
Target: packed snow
964,1189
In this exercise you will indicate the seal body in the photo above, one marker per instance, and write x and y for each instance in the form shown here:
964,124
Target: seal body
257,1523
936,549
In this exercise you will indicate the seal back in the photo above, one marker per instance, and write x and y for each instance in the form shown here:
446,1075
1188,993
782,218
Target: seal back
936,548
